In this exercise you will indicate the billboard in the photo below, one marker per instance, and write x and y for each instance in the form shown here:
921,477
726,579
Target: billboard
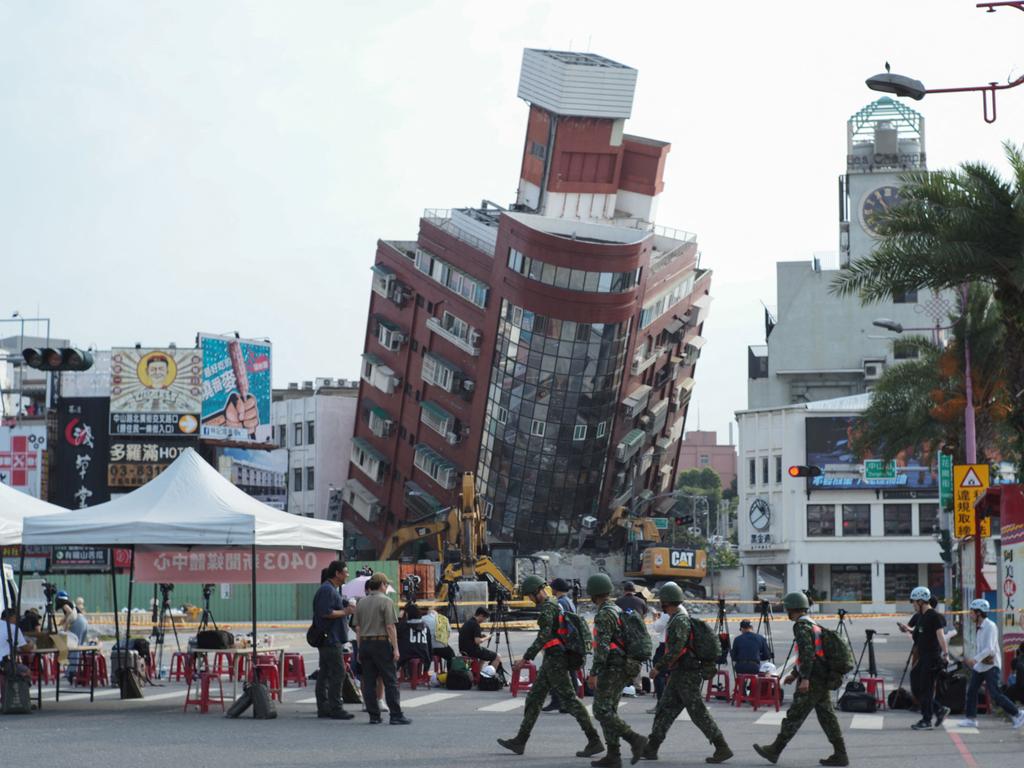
155,391
22,456
80,466
135,461
829,447
236,390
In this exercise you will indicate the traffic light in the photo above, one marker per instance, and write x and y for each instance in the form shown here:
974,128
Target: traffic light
799,470
62,359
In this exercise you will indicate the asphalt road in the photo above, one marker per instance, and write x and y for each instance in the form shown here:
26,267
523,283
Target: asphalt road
459,728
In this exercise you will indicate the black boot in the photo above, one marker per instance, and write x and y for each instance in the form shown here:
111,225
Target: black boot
838,756
722,751
516,745
594,746
651,749
769,752
637,745
612,760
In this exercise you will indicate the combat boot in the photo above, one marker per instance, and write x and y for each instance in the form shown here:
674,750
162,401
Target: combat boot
612,760
651,749
637,745
516,745
594,747
769,752
722,751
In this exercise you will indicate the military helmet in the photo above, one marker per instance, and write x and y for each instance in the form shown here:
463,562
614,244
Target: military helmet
670,592
599,584
531,585
796,601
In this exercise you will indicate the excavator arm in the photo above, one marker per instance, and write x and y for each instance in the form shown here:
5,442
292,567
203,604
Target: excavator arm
445,523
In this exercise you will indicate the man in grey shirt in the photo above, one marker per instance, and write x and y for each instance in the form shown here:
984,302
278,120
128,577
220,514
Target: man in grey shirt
376,618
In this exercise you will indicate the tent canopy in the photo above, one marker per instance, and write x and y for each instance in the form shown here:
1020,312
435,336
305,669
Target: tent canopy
15,506
188,504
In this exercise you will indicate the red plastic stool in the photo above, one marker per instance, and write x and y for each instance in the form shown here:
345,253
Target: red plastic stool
438,665
181,667
204,698
151,665
91,671
518,684
294,670
268,674
719,687
222,664
241,665
876,687
746,685
767,691
412,673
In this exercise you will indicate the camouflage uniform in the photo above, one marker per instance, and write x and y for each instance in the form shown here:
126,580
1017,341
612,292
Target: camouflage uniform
817,698
614,672
683,688
553,675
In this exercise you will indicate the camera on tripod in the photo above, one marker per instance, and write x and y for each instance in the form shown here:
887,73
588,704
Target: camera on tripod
410,586
501,595
49,590
207,591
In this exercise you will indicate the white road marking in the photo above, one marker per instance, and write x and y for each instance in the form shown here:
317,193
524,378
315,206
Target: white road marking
684,716
867,722
504,706
952,727
770,718
430,698
311,700
50,694
168,695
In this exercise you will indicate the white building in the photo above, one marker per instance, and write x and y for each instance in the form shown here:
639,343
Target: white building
316,423
821,346
843,535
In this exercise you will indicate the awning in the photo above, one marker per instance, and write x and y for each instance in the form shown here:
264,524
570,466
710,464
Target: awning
675,327
664,505
436,411
703,301
646,494
419,500
386,323
364,445
358,489
372,359
380,269
686,385
697,342
638,397
659,408
380,413
434,456
633,438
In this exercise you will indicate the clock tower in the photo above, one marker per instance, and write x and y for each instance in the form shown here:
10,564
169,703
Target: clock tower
884,140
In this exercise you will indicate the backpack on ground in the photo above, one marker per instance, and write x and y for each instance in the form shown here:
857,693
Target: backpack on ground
838,654
857,701
634,637
489,683
17,694
576,638
263,707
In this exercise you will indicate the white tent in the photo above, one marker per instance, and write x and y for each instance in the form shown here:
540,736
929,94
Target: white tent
189,504
15,507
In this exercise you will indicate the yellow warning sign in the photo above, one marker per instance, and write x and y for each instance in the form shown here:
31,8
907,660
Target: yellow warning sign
969,482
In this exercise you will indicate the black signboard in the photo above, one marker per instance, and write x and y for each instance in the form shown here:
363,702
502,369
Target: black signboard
83,447
80,557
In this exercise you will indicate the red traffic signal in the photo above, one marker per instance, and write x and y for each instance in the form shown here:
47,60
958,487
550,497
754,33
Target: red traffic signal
63,359
799,470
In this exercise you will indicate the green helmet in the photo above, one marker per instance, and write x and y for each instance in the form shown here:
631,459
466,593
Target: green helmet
796,601
670,592
531,585
599,584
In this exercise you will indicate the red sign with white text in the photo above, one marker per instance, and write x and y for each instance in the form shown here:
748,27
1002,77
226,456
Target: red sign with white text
218,565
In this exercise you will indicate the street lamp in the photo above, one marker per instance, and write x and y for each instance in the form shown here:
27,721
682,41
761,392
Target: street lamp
901,85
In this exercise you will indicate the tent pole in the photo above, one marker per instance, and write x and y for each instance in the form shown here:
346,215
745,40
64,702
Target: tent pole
11,634
131,578
255,672
117,624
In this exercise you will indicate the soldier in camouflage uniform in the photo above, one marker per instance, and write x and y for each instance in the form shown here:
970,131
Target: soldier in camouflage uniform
609,674
553,675
814,692
684,683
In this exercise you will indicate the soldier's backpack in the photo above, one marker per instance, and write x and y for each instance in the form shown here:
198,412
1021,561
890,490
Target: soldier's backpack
635,639
575,634
704,643
838,654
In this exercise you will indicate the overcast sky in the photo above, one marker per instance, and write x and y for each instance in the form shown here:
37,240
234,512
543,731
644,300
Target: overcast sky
173,167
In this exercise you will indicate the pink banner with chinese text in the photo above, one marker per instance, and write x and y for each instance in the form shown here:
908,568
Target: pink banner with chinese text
216,565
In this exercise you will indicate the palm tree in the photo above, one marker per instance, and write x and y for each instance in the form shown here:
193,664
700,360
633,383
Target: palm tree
918,405
956,227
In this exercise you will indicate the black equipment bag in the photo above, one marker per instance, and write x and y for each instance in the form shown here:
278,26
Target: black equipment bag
215,640
350,691
951,691
901,698
240,704
129,682
489,684
458,680
857,701
262,704
17,695
856,686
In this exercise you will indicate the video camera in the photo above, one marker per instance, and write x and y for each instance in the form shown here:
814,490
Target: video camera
207,591
410,586
50,591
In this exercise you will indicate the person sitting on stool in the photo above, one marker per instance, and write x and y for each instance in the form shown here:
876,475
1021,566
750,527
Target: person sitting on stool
472,639
749,649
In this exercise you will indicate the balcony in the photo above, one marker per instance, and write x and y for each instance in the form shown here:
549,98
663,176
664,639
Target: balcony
643,363
466,345
629,445
458,223
362,500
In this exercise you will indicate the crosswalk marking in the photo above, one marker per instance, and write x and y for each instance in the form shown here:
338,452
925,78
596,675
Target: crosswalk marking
770,718
867,722
49,694
430,698
952,727
504,706
168,695
310,700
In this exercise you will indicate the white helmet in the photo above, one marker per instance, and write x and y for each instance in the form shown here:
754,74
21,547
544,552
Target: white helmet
921,593
488,671
980,605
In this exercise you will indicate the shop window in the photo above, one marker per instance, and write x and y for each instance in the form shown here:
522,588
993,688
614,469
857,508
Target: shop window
821,519
851,582
899,580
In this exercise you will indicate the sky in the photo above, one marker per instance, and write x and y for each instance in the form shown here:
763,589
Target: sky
221,166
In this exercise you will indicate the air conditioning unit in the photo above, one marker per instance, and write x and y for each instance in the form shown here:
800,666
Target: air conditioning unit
453,438
399,295
474,337
873,369
468,385
398,339
645,421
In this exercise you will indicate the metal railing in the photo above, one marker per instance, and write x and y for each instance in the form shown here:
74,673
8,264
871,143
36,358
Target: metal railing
442,219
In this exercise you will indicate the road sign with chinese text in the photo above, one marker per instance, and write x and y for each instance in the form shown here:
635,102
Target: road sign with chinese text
969,482
876,469
945,480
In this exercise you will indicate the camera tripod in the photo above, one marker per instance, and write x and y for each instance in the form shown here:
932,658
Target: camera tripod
499,625
207,615
452,608
160,616
842,630
869,646
764,626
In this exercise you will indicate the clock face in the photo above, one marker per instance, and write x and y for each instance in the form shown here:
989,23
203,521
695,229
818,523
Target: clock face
760,514
876,203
